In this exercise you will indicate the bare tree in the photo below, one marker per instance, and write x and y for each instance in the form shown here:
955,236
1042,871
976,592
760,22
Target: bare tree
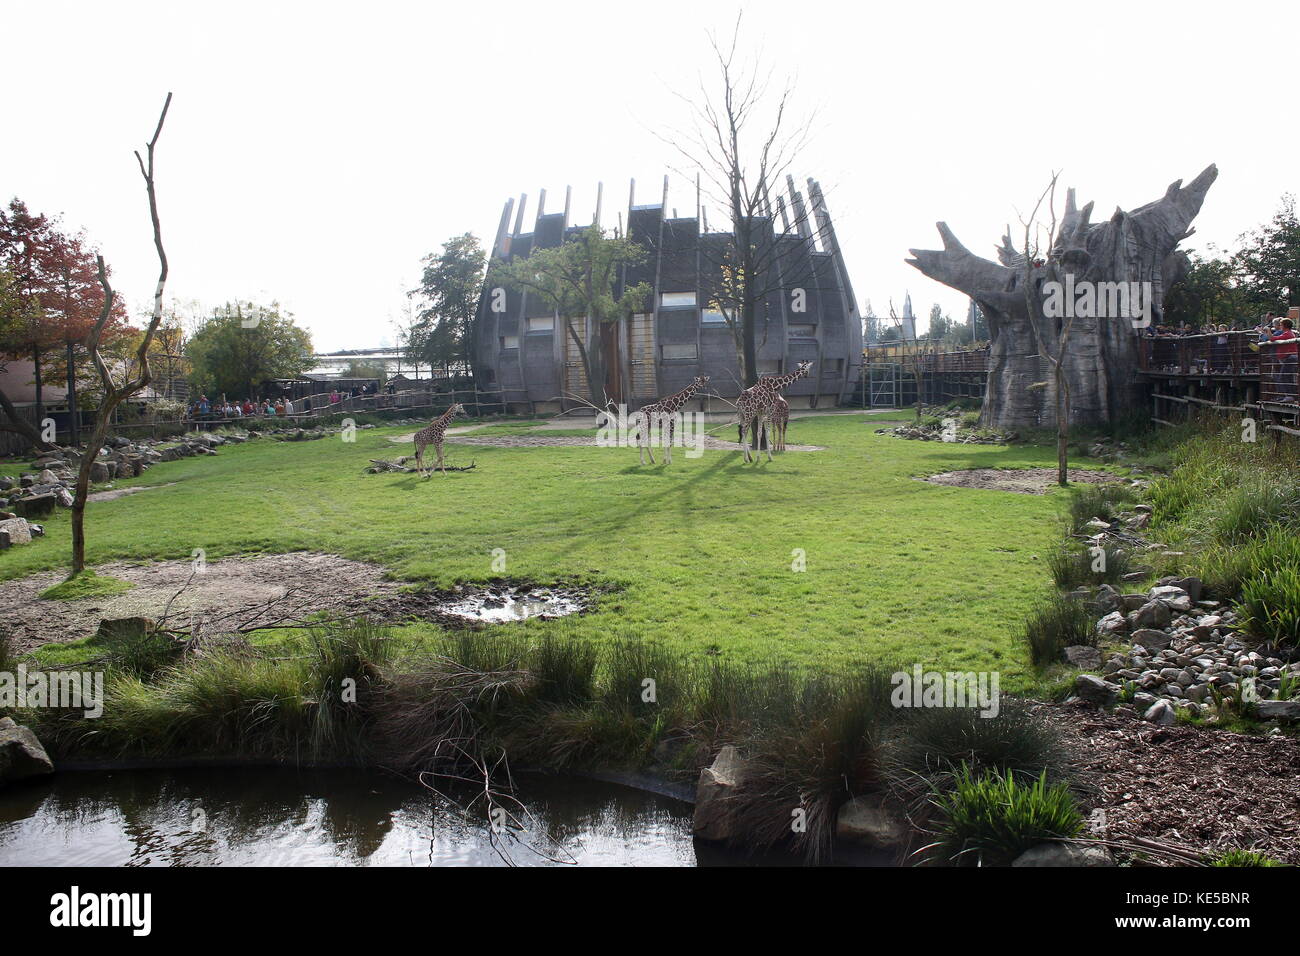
911,356
113,394
744,142
1036,270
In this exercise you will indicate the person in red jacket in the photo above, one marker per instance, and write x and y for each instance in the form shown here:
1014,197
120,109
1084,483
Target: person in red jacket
1286,347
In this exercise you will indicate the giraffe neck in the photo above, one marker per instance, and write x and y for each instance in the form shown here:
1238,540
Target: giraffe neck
684,394
442,419
781,381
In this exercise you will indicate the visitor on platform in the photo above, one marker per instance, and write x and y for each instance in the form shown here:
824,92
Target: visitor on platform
1285,348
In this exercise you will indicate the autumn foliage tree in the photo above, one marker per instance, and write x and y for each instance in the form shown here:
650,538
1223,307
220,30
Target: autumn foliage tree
54,300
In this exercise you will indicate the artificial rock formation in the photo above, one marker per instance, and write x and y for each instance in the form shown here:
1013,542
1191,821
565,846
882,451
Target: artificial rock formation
1101,355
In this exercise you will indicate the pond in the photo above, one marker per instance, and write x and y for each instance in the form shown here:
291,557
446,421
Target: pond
287,817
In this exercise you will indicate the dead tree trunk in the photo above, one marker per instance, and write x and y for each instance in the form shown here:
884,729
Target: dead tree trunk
113,395
1100,368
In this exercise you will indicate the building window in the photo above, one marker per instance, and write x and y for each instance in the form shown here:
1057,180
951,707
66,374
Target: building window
802,331
832,366
769,367
712,317
509,341
679,352
545,323
677,300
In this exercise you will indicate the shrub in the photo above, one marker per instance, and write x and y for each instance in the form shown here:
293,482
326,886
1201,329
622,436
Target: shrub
1270,605
935,741
1098,501
1073,566
990,818
1244,858
1057,623
1255,508
137,646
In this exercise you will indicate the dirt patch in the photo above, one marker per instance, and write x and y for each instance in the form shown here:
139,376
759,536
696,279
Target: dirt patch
241,593
1211,790
1025,481
229,590
115,493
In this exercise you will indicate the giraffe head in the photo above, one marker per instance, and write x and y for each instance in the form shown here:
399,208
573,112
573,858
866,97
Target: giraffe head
701,381
456,409
803,369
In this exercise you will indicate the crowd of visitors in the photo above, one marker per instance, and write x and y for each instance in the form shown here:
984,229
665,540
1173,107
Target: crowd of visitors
223,408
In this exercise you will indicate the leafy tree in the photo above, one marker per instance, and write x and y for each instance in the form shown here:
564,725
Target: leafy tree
443,331
243,345
1268,265
358,369
577,280
1209,292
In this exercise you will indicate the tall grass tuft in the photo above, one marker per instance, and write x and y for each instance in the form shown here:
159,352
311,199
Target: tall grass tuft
1056,623
932,742
1073,566
1098,501
990,817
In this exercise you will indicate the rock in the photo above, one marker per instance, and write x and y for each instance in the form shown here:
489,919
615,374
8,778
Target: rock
21,754
1161,712
1065,854
47,477
1278,709
36,506
64,497
1106,600
1151,639
129,627
1095,690
99,472
1176,598
1083,657
718,785
869,820
1112,623
1192,586
1153,614
18,530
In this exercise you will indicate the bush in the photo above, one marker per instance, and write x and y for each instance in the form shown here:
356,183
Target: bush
990,818
137,646
1244,858
1072,566
935,741
1098,501
1254,509
1057,623
1270,605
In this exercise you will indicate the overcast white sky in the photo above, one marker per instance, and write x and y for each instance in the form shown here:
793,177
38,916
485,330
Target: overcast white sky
314,152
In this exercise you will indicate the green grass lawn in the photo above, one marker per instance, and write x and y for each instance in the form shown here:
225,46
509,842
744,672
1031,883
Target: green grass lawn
701,552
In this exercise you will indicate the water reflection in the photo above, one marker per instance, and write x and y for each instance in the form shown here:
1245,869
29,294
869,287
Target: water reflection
274,817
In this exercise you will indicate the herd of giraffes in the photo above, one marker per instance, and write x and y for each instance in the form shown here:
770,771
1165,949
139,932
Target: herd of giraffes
758,408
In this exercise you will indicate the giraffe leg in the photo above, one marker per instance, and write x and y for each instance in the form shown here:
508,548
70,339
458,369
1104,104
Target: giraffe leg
419,459
762,425
668,445
437,446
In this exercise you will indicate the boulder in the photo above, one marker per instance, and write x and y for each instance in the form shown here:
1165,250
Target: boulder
1161,712
99,472
1095,690
1151,639
1065,854
47,477
1106,600
871,821
1278,709
1192,586
36,506
1112,623
21,754
718,785
18,530
1083,657
1176,598
125,627
1154,614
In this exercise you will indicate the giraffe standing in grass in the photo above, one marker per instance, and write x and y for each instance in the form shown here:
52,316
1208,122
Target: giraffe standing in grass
755,405
433,434
665,409
780,419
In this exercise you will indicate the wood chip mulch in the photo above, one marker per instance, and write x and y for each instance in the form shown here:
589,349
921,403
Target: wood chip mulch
1201,788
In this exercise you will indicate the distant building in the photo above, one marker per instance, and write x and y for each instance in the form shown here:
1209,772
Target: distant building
524,355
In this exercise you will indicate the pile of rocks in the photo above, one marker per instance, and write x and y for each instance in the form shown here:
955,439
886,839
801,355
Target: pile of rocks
957,436
1184,654
52,482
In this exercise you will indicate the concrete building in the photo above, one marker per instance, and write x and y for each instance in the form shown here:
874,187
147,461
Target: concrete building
525,357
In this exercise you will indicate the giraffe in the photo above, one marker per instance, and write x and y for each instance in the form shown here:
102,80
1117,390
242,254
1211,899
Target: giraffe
433,434
665,409
755,404
780,419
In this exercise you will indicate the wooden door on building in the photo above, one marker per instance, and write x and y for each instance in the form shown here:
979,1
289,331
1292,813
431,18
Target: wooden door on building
641,356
